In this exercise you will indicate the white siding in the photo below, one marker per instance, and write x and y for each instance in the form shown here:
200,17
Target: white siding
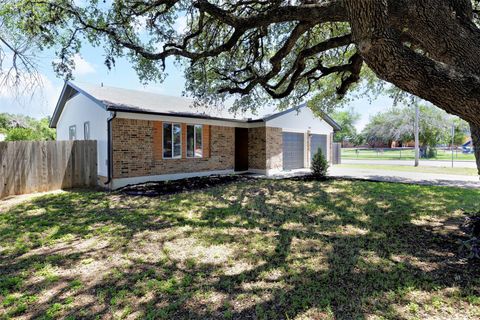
301,121
79,110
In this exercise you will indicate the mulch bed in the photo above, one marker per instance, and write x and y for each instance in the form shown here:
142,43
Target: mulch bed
154,189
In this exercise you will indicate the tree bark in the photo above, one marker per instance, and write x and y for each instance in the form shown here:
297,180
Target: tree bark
475,132
445,71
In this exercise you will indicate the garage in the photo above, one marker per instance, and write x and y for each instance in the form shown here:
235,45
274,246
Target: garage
318,141
293,149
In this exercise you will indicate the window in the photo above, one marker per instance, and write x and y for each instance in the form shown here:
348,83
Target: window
72,132
194,141
172,140
86,130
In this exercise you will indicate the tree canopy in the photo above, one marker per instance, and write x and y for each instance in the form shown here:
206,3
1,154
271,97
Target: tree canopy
347,119
255,50
397,124
18,127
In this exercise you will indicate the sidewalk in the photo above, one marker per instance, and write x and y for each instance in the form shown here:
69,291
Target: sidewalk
406,177
428,163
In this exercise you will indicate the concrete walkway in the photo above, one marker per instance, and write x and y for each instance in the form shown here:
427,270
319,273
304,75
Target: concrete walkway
406,177
386,176
428,163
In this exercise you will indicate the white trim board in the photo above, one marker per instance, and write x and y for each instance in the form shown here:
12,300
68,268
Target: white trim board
188,120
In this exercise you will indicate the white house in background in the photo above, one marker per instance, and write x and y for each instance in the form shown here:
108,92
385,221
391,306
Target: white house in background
3,136
145,136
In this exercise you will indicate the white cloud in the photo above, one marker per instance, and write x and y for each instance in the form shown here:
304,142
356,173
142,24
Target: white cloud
82,66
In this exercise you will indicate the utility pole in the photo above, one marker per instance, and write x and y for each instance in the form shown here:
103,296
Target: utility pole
417,139
453,138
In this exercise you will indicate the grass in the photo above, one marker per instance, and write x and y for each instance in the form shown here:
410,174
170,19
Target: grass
420,169
397,154
259,250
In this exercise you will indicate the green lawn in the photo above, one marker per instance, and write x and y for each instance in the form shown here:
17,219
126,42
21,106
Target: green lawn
421,169
252,250
397,154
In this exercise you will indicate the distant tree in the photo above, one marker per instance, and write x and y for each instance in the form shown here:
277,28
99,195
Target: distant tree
462,132
4,120
347,120
21,134
20,127
384,128
42,129
397,124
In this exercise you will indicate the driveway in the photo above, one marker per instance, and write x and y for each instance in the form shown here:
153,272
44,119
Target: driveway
428,163
405,177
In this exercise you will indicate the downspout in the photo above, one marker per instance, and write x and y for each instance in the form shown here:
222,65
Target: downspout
110,148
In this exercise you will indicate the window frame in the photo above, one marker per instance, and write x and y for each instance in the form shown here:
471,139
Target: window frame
74,127
194,140
172,141
85,125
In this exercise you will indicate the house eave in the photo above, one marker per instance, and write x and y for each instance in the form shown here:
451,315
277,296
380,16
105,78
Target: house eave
180,115
69,90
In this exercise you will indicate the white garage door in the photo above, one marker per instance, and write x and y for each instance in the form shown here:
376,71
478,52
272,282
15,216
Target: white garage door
292,150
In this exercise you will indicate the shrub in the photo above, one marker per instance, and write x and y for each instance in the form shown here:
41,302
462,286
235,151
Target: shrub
20,134
319,164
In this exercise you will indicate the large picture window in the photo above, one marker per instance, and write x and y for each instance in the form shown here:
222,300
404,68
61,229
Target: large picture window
172,140
194,141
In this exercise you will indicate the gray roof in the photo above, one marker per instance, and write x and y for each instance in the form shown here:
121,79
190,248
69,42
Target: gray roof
136,101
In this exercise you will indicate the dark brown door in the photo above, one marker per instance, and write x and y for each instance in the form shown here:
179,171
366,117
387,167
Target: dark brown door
241,149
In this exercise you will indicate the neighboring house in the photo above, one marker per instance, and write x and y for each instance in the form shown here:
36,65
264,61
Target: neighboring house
3,136
150,137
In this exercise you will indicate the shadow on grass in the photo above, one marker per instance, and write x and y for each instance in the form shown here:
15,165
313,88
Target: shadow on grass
259,249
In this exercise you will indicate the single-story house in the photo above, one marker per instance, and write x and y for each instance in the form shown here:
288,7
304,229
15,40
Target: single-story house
145,136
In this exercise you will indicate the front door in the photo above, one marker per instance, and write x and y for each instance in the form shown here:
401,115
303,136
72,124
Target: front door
241,149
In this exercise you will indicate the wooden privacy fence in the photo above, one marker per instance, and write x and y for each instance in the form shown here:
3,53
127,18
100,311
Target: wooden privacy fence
337,153
36,166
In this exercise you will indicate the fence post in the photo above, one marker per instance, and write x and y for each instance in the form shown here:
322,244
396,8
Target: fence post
337,153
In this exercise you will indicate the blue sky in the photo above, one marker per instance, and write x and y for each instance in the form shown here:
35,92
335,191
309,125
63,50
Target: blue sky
90,68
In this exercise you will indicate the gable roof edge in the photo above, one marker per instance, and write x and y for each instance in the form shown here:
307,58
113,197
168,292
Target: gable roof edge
65,95
325,117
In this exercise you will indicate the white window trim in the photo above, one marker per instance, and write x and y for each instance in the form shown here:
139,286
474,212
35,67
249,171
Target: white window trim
69,132
163,143
84,133
194,140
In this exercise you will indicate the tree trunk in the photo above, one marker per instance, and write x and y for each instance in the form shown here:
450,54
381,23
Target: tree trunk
446,72
475,131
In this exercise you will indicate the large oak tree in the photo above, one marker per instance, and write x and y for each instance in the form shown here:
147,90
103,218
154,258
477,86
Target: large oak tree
282,49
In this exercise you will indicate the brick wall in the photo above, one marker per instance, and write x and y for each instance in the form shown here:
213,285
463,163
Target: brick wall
274,148
257,155
265,148
137,150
